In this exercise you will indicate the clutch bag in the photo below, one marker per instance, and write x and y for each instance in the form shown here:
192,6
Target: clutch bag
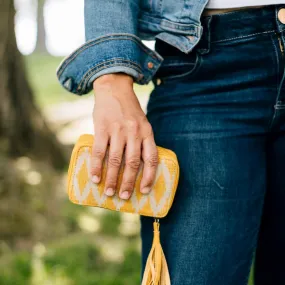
156,204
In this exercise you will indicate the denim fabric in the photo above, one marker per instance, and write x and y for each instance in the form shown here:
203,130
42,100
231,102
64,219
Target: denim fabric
114,30
221,108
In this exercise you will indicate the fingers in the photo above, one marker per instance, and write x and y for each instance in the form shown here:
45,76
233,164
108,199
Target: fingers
132,164
150,159
98,153
116,150
136,150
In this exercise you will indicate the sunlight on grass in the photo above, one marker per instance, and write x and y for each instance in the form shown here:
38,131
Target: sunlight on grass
130,225
23,163
88,223
112,251
33,178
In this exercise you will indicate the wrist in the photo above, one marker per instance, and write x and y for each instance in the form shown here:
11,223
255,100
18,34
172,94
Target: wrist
113,77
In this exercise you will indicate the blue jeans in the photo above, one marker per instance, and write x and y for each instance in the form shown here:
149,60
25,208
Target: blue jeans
221,109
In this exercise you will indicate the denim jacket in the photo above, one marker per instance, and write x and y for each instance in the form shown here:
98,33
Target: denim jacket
114,30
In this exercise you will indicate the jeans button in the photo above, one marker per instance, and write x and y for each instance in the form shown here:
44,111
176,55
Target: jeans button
150,65
281,15
158,81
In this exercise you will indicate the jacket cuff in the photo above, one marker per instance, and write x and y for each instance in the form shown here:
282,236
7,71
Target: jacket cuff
108,54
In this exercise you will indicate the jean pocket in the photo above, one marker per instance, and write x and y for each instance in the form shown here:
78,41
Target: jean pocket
177,68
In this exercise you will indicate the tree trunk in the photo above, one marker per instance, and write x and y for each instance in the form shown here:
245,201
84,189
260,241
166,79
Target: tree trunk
23,130
41,32
29,151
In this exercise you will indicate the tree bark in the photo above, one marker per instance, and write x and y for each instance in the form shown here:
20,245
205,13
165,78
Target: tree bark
29,152
23,131
41,31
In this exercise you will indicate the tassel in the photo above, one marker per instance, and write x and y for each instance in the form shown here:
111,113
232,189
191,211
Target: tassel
156,269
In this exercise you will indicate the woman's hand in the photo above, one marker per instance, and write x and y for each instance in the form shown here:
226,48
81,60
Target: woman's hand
120,122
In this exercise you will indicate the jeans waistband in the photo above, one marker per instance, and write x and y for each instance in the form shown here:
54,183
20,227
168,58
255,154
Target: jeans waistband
209,12
234,25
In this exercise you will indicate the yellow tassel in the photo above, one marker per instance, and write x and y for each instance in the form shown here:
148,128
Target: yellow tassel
156,269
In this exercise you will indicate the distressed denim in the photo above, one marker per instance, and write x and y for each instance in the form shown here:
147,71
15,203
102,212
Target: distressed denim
221,108
114,30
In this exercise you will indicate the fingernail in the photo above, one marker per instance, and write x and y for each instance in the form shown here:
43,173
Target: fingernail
145,190
125,195
109,192
95,179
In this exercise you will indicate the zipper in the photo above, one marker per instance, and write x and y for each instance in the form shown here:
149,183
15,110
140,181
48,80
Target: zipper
281,45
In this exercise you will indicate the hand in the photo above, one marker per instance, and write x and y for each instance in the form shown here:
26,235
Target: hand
120,122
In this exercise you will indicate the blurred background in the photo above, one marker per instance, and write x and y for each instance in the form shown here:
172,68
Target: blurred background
45,239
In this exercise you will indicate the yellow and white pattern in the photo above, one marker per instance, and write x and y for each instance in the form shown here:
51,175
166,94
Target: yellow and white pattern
82,190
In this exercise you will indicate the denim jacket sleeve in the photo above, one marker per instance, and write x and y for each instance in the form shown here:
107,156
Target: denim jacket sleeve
111,46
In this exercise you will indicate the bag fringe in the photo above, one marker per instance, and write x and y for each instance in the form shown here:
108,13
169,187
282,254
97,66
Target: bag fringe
156,269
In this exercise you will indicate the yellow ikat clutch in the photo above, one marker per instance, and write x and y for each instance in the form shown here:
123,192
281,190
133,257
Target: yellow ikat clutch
81,190
156,204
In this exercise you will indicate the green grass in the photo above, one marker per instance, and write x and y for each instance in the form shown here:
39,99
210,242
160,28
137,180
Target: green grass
16,270
42,76
105,257
78,261
83,264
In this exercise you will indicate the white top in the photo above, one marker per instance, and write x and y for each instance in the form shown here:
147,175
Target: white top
222,4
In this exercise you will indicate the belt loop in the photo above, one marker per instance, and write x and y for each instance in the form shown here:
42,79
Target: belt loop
203,46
